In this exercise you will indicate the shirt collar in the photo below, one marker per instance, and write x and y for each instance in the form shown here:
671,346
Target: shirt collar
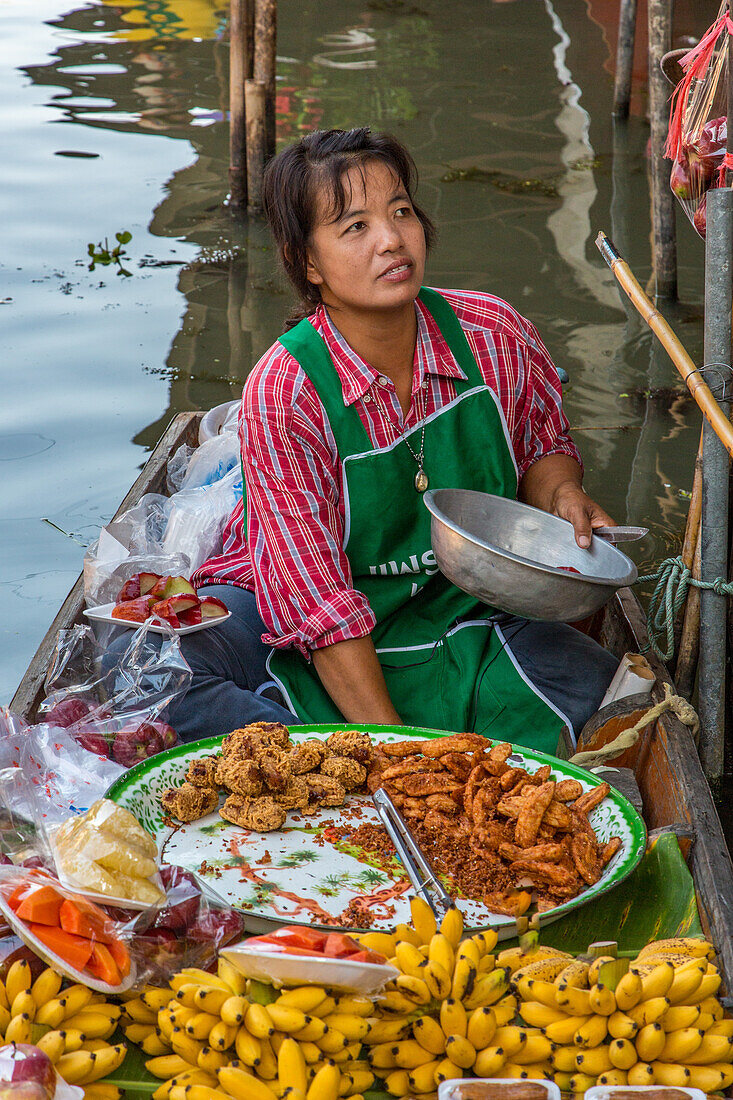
432,355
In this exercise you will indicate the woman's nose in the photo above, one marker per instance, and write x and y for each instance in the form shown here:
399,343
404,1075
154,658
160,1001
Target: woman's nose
390,237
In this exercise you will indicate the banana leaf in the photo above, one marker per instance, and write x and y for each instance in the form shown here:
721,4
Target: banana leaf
656,901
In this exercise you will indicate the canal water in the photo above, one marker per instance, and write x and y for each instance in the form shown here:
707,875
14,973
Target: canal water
114,121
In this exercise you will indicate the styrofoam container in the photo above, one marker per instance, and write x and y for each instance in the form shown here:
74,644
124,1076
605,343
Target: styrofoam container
494,1088
607,1092
280,969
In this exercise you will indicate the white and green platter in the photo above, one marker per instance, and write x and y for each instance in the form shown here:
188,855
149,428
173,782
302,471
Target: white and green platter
304,874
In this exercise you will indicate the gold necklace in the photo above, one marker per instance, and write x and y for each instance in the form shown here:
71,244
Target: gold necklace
421,478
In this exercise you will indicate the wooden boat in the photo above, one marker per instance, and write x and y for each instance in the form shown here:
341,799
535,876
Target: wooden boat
675,792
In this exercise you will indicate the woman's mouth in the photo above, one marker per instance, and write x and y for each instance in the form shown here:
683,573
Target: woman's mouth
398,273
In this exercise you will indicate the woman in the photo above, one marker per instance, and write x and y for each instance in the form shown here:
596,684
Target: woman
383,389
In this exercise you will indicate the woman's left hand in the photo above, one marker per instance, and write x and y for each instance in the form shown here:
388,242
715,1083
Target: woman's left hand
570,502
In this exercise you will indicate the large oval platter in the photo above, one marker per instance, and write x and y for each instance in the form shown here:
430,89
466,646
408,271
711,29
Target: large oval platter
303,874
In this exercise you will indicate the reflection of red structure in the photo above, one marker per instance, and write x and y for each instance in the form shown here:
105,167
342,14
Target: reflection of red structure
691,18
297,110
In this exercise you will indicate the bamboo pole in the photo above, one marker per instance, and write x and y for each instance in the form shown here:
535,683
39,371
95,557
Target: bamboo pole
692,527
624,58
255,94
689,648
240,68
691,375
264,65
663,209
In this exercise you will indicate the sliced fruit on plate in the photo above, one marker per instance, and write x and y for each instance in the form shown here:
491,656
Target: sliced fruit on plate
75,950
211,608
134,611
165,587
299,940
192,617
41,905
173,605
103,966
139,584
83,918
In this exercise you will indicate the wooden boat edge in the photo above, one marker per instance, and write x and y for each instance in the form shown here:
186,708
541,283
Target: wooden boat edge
624,629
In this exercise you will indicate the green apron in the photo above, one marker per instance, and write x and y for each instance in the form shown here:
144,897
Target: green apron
443,661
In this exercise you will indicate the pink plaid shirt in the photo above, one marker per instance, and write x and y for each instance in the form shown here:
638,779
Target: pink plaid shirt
291,554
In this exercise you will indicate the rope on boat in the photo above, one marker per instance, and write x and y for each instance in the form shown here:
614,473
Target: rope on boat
627,738
674,579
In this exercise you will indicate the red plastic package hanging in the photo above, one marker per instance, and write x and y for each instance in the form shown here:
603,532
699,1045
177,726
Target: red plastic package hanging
698,123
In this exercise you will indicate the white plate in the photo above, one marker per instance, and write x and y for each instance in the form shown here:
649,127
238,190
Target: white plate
279,969
50,958
103,614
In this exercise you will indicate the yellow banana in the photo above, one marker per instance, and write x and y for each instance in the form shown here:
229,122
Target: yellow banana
711,1078
680,1016
291,1066
233,979
692,946
381,942
564,1059
357,1081
82,1066
196,1092
533,989
538,1048
453,1018
580,1083
422,1079
222,1036
51,1014
628,991
185,1046
680,1045
102,1090
489,1062
209,1000
602,1000
354,1005
592,1032
467,949
594,1062
666,1073
464,978
613,1077
480,1029
712,1048
595,967
622,1054
574,974
53,1044
315,1029
563,1031
657,981
563,1080
243,1086
429,1034
574,1001
505,1009
487,989
408,1054
212,1060
641,1073
324,1086
510,1038
258,1022
545,969
526,1073
138,1033
200,977
155,999
621,1026
687,980
539,1015
648,1012
186,993
460,1051
19,1030
139,1012
383,1031
353,1027
489,938
46,986
451,926
200,1025
437,979
721,1027
650,1042
332,1041
248,1047
423,919
4,1019
415,989
233,1011
19,979
409,959
267,1066
382,1056
74,999
707,988
285,1018
305,997
394,1001
397,1082
75,1040
154,1044
23,1004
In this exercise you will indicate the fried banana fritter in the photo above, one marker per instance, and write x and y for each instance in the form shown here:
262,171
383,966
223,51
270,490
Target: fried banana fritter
295,794
189,803
259,814
351,743
241,776
307,757
274,764
324,790
348,771
202,773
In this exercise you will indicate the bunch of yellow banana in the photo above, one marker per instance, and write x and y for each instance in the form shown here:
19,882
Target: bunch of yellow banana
661,1024
217,1036
71,1024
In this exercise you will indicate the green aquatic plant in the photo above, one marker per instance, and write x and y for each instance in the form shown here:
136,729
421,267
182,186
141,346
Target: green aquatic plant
103,255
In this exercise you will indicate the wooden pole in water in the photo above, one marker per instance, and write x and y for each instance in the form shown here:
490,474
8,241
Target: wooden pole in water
255,94
624,58
265,61
689,648
240,68
664,243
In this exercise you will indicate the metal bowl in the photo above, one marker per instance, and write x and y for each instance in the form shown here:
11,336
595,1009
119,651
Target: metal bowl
508,554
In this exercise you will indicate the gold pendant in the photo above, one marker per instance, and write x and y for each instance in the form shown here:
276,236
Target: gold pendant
421,480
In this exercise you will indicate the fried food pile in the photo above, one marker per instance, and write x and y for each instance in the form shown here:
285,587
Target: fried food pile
497,833
263,775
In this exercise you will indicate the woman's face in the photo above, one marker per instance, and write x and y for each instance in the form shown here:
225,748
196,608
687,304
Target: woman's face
373,256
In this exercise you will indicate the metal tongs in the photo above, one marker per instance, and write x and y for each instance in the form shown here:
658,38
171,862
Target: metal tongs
621,534
420,873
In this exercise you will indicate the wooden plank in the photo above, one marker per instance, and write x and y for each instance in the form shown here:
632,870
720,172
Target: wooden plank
152,479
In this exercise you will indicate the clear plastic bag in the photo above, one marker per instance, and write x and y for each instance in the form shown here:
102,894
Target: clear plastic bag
698,128
116,703
191,468
187,931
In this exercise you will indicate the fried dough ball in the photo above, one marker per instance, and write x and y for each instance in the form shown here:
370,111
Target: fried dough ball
258,735
202,773
274,764
295,794
189,803
242,776
307,756
324,790
259,814
351,743
349,773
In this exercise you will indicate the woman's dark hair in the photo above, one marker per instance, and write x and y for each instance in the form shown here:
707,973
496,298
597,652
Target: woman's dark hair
318,161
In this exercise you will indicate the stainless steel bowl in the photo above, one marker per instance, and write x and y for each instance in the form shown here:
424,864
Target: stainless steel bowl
507,554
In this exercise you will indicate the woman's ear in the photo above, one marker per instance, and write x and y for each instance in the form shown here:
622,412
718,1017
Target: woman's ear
312,273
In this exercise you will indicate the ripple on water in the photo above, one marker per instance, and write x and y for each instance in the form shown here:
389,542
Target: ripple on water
17,445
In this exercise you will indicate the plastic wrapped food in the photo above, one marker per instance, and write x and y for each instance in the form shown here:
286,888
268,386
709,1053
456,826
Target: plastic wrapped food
698,128
473,1089
117,821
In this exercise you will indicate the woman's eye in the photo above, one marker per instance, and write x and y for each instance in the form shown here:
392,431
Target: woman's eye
404,211
356,225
